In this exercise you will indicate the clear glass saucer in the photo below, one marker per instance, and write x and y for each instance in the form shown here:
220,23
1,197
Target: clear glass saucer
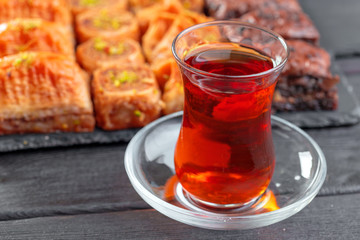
299,174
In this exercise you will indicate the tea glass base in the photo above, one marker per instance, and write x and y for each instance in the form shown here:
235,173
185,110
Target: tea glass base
298,176
192,202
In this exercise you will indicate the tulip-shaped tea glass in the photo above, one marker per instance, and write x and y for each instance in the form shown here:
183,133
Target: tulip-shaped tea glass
224,157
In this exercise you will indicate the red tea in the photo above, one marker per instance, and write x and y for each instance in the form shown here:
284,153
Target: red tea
225,154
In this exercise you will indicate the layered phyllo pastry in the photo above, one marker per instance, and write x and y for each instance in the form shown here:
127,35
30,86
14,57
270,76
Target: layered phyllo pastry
137,5
108,23
99,51
157,30
43,92
79,6
163,69
50,10
173,93
193,5
34,35
163,29
144,16
306,82
125,96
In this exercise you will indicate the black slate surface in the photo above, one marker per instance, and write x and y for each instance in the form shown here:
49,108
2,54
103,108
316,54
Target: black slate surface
16,142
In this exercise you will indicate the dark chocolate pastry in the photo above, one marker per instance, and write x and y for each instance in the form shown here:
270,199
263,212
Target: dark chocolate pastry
288,23
306,59
305,93
306,82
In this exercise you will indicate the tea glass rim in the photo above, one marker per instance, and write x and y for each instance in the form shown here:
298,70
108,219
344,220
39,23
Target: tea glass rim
229,77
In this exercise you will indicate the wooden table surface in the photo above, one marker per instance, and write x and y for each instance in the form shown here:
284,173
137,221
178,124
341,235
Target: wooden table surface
83,192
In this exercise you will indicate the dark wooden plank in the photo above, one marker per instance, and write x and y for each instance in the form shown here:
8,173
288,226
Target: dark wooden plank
335,217
65,181
93,179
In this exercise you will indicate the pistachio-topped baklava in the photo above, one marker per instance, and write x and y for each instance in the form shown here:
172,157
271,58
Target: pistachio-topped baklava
43,92
125,96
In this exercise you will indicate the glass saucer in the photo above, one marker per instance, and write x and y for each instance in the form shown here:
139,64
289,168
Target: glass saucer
299,174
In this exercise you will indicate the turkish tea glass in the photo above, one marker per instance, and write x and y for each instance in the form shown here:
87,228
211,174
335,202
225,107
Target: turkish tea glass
224,156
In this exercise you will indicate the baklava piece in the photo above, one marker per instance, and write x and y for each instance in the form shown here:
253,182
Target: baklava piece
226,9
43,92
163,69
125,96
157,29
107,23
306,82
79,6
51,10
173,94
289,24
34,35
99,51
146,15
161,49
163,29
138,5
193,5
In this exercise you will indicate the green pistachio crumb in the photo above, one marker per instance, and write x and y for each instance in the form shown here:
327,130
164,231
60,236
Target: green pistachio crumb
123,77
30,25
117,82
99,44
115,24
104,21
137,113
17,62
128,76
119,49
27,25
89,3
24,59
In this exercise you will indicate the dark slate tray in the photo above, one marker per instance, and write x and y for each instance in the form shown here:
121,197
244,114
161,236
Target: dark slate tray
33,141
348,113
